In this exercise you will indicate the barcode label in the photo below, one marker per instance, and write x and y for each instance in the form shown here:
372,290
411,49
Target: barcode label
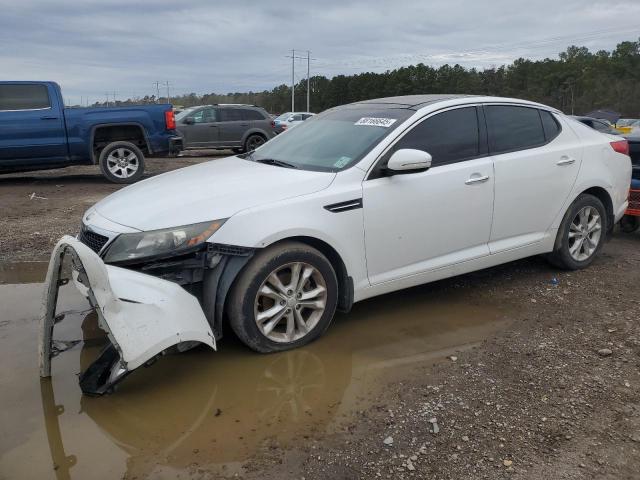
376,122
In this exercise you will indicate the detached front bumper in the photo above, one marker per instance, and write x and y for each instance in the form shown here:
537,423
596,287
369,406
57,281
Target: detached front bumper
142,315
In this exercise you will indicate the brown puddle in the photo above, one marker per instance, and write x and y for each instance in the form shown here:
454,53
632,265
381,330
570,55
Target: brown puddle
210,409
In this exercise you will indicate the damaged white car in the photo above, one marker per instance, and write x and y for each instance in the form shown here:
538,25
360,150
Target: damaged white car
358,201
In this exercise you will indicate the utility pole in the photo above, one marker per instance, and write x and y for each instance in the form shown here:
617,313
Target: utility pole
107,95
293,80
168,98
157,91
308,68
293,77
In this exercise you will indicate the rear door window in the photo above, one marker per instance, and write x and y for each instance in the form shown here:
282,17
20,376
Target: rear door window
230,114
513,128
449,137
24,97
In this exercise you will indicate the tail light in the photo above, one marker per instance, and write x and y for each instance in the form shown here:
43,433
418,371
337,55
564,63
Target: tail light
273,124
170,120
621,146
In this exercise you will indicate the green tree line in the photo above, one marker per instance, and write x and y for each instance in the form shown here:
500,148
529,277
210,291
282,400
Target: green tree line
578,81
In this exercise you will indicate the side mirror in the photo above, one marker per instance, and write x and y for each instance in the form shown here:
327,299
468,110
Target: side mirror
408,160
189,121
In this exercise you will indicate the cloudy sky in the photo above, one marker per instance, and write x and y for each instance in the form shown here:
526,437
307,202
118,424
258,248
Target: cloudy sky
94,46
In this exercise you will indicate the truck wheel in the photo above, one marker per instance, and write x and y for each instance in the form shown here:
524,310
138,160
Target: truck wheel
581,234
629,224
284,298
122,162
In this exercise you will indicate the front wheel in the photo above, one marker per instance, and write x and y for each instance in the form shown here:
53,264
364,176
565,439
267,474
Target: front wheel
581,234
122,162
286,297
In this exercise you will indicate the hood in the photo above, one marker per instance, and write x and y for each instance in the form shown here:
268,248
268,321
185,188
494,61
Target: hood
207,191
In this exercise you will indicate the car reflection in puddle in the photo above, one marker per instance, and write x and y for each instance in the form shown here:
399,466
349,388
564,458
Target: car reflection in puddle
215,410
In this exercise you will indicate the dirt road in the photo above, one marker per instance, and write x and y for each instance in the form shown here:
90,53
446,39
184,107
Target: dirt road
520,371
37,208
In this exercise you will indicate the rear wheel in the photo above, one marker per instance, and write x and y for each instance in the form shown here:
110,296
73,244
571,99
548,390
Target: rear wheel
581,234
122,162
629,224
286,297
253,142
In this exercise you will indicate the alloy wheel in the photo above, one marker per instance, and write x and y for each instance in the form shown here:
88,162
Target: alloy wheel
122,163
254,142
585,232
290,302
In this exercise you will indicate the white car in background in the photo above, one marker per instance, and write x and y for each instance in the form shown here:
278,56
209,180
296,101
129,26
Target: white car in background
366,199
290,119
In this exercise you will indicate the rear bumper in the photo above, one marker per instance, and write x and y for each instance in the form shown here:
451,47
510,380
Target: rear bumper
176,145
142,315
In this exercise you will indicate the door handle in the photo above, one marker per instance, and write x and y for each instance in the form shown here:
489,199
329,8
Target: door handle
213,126
48,118
244,124
478,179
565,160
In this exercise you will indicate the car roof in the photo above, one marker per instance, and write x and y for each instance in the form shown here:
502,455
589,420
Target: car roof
410,101
416,102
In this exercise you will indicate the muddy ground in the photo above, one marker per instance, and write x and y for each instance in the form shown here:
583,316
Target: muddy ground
520,371
37,208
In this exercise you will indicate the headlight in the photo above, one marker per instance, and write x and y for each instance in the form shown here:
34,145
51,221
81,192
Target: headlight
133,246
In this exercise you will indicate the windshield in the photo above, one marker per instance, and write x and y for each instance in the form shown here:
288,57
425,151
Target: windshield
284,116
333,140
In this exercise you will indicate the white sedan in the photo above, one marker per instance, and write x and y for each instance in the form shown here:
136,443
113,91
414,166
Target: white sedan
366,199
288,120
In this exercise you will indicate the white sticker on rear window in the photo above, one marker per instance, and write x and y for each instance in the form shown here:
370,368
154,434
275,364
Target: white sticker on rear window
376,122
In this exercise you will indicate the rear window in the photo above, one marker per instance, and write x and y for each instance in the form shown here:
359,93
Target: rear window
550,125
248,114
23,97
513,128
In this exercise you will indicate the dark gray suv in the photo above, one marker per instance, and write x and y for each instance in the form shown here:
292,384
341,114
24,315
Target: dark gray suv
239,127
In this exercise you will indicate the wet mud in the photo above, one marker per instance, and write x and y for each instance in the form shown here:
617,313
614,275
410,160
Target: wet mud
212,409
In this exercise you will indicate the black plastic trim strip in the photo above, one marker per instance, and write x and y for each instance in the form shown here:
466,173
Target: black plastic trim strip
344,206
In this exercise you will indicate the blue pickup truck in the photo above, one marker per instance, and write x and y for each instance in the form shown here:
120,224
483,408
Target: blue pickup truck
37,132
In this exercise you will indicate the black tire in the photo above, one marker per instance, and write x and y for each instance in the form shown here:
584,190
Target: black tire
242,298
253,141
629,223
561,257
135,156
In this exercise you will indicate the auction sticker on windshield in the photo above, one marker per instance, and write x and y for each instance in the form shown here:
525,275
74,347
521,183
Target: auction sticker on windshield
376,122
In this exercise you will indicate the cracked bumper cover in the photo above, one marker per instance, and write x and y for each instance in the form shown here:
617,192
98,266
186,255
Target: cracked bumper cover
142,315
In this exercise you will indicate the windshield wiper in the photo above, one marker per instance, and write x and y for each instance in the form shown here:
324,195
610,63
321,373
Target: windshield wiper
279,163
